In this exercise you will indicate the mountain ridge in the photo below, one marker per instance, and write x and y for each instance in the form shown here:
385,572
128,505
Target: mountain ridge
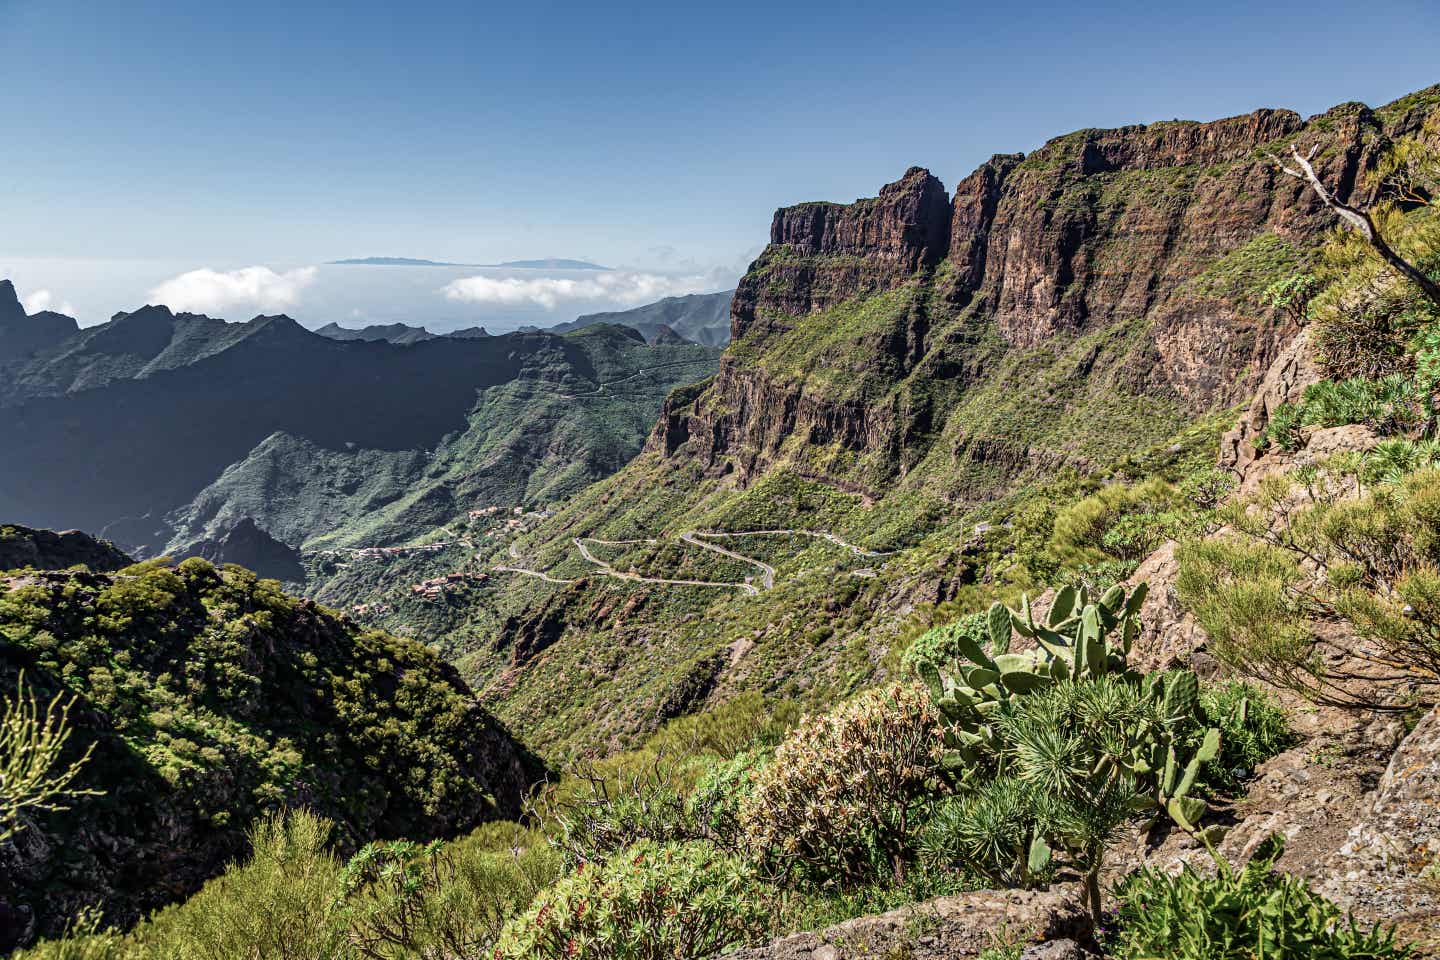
156,406
699,317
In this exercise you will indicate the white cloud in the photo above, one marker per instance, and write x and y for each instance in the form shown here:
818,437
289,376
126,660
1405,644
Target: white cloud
45,300
208,291
626,288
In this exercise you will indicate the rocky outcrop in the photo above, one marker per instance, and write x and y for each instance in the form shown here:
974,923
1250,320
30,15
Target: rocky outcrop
1387,865
905,225
761,414
1158,240
821,254
1290,373
23,334
951,928
1095,224
977,198
47,550
248,545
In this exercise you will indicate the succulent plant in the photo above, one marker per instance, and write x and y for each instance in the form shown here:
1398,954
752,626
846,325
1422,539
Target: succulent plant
1078,640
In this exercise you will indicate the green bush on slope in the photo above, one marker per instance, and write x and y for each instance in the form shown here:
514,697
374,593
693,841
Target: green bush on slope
835,803
1368,560
651,902
1238,915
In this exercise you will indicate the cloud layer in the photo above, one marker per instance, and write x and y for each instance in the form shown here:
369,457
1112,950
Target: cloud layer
211,291
624,288
45,300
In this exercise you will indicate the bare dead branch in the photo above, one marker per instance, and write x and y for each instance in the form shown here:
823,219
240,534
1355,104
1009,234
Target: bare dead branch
1357,218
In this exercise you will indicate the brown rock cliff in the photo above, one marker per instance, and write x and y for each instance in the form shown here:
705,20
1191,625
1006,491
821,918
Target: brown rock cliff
1098,228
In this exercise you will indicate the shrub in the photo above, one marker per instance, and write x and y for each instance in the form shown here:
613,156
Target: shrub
988,832
1252,729
716,800
945,644
1122,522
591,816
1369,560
403,899
33,776
1205,489
1075,761
1366,317
84,939
674,901
1390,461
278,905
725,730
1283,430
835,803
1254,912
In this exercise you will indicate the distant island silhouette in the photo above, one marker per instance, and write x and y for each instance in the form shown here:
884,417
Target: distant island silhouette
553,263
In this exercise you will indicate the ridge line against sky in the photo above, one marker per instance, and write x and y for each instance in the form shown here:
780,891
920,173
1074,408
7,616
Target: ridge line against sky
651,137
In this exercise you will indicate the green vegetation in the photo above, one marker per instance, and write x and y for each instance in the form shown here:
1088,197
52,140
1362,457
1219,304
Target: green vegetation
1236,915
727,828
1252,729
869,732
1253,274
653,901
1393,404
835,804
211,698
401,899
1056,749
1304,548
32,775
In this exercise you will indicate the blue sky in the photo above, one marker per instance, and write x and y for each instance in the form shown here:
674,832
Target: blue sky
655,137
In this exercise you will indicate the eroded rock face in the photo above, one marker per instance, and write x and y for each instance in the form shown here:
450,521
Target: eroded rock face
1124,230
48,550
1102,226
906,224
947,927
1381,870
1292,370
821,254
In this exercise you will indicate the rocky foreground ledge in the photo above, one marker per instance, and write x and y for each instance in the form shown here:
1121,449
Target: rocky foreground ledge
948,928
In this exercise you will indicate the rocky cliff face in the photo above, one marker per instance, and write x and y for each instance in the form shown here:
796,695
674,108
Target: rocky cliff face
23,334
1153,241
821,254
247,544
22,547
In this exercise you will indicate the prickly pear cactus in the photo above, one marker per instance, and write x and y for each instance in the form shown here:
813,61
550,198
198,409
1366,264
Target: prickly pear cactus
1078,640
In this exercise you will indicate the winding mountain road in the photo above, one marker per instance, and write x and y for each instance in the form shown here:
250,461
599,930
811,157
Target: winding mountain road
600,389
610,571
531,573
767,572
695,538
